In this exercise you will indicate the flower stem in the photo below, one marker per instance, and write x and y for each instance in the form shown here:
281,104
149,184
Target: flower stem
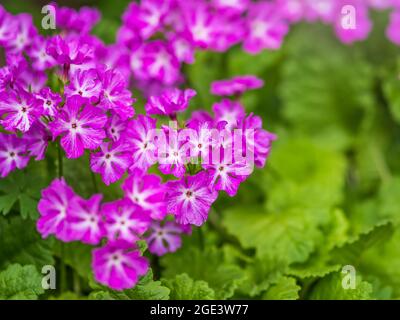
60,162
96,189
201,238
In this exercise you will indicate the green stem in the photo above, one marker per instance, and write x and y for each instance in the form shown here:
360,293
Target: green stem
60,162
201,238
94,182
77,283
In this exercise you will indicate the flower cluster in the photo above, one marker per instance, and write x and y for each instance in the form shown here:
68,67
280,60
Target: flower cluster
162,35
73,90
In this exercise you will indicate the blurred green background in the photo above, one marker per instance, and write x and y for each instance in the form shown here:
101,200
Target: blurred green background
328,196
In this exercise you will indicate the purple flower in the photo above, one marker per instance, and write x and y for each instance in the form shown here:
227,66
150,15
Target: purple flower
8,27
232,6
257,140
18,109
41,60
69,51
49,101
12,154
183,49
125,221
165,237
227,177
25,32
80,125
115,95
323,10
266,28
84,83
292,10
230,111
85,219
118,265
115,127
347,33
139,135
146,191
111,161
37,140
170,102
236,86
392,31
53,210
160,63
190,198
81,21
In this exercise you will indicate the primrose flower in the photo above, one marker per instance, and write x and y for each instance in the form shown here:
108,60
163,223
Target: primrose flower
125,221
13,154
111,161
37,52
80,127
84,83
69,51
392,31
53,210
139,136
236,86
49,101
146,191
165,237
190,198
37,140
229,111
85,219
118,265
115,95
19,110
265,28
115,127
170,102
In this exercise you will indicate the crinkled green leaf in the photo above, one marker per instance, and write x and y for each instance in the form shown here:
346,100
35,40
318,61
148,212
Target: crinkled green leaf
146,289
285,289
208,265
21,243
331,288
184,288
20,283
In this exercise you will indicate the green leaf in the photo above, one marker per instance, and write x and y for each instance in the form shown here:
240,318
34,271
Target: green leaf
7,202
290,236
21,243
209,265
331,288
184,288
20,283
351,252
285,289
146,289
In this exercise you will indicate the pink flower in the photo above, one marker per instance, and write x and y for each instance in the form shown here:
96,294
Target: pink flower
183,49
146,191
160,63
170,102
49,101
236,86
140,136
344,29
258,141
37,140
18,109
80,125
230,111
392,31
81,21
84,83
266,28
115,127
232,6
8,27
69,51
85,219
115,95
324,10
165,237
125,221
227,176
292,10
190,198
25,32
53,210
111,161
118,265
41,60
12,154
